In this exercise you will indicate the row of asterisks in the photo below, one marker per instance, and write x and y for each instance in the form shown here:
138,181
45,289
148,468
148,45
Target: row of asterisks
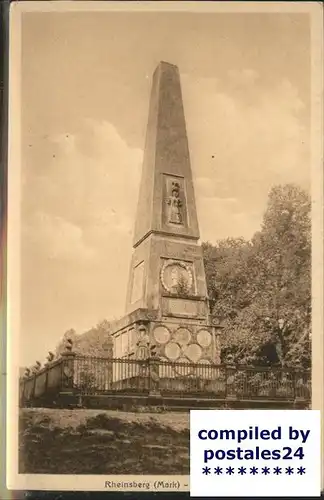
254,470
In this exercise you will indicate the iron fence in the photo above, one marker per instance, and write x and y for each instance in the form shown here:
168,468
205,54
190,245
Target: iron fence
86,375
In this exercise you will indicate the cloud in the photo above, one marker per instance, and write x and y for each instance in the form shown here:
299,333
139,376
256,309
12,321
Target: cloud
241,144
239,149
243,76
78,205
89,185
56,238
222,213
205,188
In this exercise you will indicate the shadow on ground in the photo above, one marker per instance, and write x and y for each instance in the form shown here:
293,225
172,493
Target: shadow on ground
102,442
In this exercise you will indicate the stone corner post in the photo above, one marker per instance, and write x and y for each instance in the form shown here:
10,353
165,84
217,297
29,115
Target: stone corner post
68,368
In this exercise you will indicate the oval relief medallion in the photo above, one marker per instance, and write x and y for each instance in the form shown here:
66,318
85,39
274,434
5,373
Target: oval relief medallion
176,277
204,338
182,336
193,352
172,351
161,334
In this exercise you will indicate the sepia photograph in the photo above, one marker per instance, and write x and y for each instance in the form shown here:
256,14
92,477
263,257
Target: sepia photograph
164,219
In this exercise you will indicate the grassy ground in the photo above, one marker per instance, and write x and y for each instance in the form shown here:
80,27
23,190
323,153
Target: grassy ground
103,442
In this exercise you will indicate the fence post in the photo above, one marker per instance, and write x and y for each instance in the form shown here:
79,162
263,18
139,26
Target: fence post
27,374
22,384
46,374
154,375
33,392
67,383
298,385
229,379
35,370
294,384
108,348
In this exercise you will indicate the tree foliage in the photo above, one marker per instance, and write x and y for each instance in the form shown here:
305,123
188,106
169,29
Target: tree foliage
260,290
90,342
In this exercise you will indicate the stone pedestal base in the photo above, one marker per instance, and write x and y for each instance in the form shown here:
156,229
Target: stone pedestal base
175,339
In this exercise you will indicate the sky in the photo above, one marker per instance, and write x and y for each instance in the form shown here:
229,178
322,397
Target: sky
86,81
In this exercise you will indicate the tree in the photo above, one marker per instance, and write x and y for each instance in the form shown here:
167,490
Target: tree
261,289
90,342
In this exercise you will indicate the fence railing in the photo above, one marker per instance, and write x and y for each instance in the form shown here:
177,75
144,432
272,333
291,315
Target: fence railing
86,375
48,380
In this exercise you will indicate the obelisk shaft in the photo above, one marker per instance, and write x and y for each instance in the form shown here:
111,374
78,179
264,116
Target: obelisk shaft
166,161
167,292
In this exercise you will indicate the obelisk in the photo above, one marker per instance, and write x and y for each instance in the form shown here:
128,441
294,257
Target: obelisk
167,302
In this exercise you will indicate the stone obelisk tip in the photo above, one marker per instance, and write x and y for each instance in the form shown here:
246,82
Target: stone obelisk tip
167,64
